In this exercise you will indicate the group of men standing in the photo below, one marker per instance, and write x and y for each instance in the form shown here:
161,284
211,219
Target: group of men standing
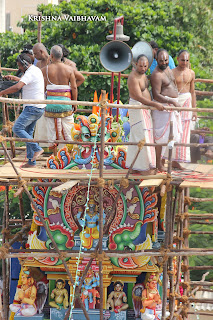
170,87
59,77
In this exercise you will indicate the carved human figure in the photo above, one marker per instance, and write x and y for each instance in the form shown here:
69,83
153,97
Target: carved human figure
117,299
60,296
89,293
24,300
89,224
151,300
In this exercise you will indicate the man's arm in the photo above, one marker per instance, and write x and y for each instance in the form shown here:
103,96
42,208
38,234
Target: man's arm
12,78
43,70
156,83
79,78
73,89
192,91
136,94
12,89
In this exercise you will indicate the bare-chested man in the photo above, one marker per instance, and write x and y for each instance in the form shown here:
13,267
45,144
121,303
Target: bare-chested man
165,91
41,54
140,119
61,85
184,78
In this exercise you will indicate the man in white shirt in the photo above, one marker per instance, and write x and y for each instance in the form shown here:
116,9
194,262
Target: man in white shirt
32,85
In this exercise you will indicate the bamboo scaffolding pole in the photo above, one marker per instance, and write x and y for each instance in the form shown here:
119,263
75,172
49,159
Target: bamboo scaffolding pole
203,93
105,73
186,245
47,230
91,104
180,235
8,260
101,197
200,222
201,313
168,225
126,253
106,143
4,275
192,199
201,268
111,255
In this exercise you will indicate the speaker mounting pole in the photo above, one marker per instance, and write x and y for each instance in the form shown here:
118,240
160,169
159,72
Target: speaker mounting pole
116,20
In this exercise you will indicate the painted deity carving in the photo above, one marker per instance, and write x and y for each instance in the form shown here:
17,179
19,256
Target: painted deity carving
151,300
60,296
24,301
117,300
89,293
89,224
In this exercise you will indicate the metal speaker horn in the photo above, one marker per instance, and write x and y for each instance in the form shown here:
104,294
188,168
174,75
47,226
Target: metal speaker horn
116,56
142,47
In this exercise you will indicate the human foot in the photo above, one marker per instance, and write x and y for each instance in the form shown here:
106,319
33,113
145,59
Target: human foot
37,154
209,154
28,165
176,165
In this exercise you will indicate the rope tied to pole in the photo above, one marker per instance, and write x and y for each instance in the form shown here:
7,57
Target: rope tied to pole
184,267
186,285
2,138
100,182
124,183
111,184
4,251
186,232
176,238
187,201
99,256
141,144
8,126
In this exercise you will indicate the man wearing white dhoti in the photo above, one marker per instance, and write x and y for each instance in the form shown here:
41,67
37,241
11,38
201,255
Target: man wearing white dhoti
184,78
59,81
165,91
140,119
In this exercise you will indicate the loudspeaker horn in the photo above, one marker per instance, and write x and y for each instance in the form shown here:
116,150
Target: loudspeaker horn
142,47
116,56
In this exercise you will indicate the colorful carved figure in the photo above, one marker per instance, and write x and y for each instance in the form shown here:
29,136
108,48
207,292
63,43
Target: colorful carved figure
89,224
117,300
151,300
89,293
60,296
24,301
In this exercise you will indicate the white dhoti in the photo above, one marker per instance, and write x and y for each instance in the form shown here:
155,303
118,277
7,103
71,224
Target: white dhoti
41,131
141,127
182,154
161,126
24,309
59,129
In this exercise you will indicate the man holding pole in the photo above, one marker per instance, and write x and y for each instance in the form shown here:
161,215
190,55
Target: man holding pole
164,90
141,127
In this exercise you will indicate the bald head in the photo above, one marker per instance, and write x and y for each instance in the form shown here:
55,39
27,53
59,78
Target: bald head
56,52
40,51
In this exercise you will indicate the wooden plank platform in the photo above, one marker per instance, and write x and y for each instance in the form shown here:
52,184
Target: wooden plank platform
194,175
6,171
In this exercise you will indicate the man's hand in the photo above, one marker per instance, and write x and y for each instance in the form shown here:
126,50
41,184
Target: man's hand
11,77
176,104
194,116
74,108
159,106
